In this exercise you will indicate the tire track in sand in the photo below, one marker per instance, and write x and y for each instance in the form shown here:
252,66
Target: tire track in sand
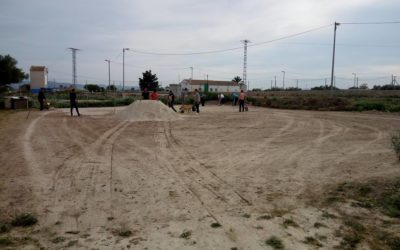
217,197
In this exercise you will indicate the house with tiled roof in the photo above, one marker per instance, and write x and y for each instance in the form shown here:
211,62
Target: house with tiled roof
210,86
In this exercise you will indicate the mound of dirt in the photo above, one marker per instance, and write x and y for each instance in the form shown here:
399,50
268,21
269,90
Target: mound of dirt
147,110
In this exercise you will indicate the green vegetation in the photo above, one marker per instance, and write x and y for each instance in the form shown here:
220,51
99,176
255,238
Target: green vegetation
329,103
58,239
396,144
216,225
289,223
9,73
274,242
124,233
383,196
24,220
148,80
312,241
265,217
5,242
185,234
246,215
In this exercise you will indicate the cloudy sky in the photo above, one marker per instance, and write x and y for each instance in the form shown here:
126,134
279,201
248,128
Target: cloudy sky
39,32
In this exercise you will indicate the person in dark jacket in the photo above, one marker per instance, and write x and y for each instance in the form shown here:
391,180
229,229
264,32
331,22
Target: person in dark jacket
145,94
171,100
41,98
72,99
196,98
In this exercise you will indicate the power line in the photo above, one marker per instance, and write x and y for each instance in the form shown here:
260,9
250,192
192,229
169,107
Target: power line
230,49
394,22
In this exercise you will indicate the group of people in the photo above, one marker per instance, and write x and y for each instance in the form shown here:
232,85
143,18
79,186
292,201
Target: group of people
72,101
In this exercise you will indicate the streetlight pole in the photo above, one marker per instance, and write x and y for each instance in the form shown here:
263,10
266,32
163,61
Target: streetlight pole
123,68
333,57
354,79
109,74
283,79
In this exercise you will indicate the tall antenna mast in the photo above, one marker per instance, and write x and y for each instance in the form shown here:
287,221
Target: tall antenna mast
74,65
245,42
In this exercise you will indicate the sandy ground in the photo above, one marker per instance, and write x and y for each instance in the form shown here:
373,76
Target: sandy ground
90,178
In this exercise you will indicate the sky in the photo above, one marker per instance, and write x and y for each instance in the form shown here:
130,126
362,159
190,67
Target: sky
39,32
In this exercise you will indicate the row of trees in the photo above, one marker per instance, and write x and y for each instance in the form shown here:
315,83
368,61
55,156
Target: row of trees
10,73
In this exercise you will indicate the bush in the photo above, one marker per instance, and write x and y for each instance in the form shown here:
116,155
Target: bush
396,144
24,220
274,242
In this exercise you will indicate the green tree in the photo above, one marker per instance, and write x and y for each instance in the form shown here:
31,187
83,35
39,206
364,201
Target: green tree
148,81
237,79
92,88
111,88
9,73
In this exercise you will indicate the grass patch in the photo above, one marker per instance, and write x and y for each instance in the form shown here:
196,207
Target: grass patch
265,217
274,242
6,242
58,239
5,227
290,223
216,225
350,241
125,233
186,234
328,215
396,144
72,243
382,195
24,220
319,225
312,241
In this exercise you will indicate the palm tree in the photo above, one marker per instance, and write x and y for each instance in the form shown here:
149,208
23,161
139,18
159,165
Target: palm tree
237,79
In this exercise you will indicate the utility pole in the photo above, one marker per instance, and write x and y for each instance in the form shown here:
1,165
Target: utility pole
109,74
354,79
245,42
357,83
275,82
191,73
297,84
123,68
283,81
74,50
325,82
333,57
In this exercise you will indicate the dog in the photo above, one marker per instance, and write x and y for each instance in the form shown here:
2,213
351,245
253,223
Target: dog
187,108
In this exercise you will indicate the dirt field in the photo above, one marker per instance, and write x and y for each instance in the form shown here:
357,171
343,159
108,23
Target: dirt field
217,180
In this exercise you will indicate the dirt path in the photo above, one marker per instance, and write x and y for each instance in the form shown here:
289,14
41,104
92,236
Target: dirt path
226,179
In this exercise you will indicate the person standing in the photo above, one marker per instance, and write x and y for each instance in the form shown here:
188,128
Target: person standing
196,100
222,99
234,98
242,97
183,95
154,95
73,103
145,94
41,99
171,100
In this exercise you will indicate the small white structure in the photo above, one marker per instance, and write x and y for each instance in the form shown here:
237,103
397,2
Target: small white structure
210,86
38,78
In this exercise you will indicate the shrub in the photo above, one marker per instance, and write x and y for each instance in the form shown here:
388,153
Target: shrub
274,242
24,220
396,144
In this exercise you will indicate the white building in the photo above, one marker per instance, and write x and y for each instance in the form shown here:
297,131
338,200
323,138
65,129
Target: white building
38,78
210,86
